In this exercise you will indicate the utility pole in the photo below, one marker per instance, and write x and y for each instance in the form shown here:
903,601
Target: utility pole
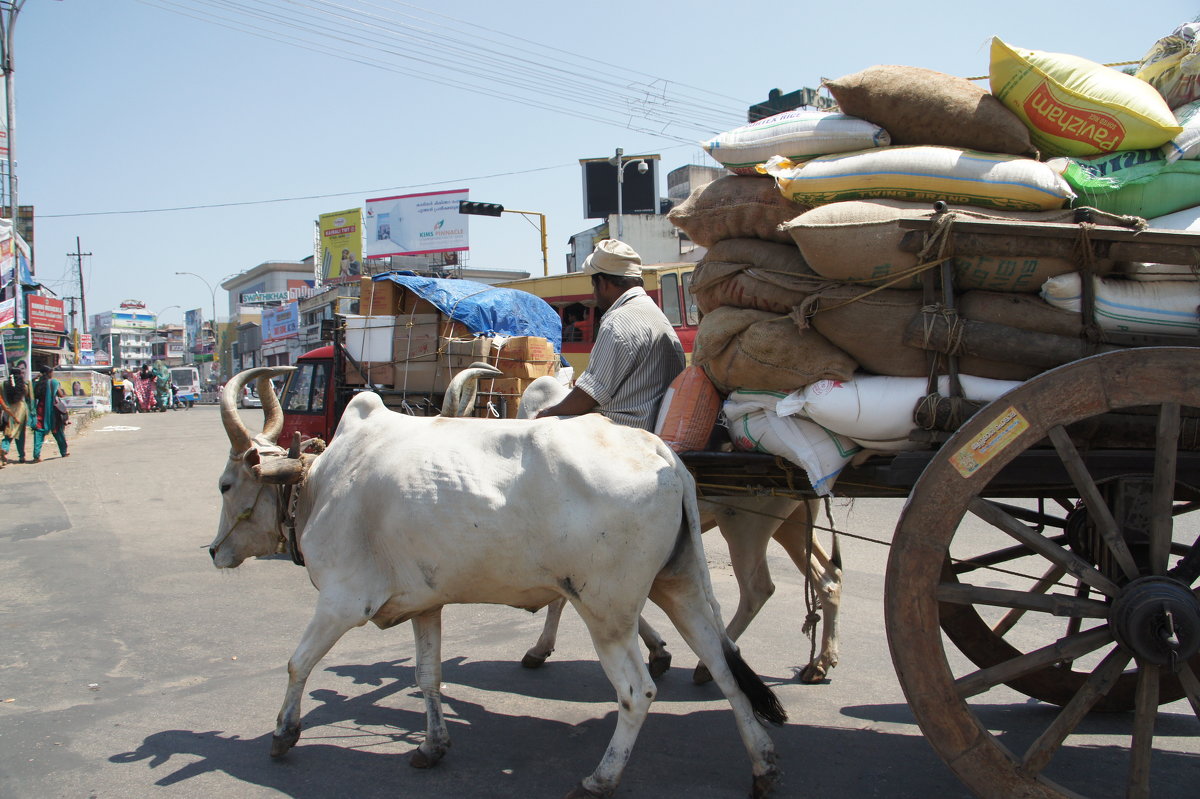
78,256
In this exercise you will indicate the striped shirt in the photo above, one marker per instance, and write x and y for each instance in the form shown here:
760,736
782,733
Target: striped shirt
634,360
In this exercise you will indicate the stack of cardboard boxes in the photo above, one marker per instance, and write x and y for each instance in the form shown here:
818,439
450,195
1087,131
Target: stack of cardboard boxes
428,349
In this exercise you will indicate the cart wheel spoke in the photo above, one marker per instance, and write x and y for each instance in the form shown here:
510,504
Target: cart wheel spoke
1038,756
1162,499
1099,509
1048,580
1064,649
1143,732
1072,563
1054,604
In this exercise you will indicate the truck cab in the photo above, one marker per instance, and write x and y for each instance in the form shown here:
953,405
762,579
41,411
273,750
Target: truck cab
310,399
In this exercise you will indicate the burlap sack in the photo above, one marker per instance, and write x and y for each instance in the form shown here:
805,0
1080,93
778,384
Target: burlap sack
763,254
735,206
740,348
716,284
921,106
869,327
859,241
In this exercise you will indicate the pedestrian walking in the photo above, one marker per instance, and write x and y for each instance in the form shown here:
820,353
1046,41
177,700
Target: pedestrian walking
16,413
48,416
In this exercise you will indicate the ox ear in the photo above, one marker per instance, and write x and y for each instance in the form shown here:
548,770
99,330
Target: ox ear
251,458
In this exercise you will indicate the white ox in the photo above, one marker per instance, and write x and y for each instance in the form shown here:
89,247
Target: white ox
403,515
748,524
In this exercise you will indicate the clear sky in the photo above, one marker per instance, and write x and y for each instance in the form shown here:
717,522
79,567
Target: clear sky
255,116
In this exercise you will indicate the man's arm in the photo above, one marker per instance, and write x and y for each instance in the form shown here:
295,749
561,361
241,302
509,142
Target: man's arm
576,403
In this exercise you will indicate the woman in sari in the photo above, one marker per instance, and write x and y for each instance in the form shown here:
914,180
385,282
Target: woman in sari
143,389
46,417
15,396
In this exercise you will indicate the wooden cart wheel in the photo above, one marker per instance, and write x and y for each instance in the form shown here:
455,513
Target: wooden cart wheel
1137,624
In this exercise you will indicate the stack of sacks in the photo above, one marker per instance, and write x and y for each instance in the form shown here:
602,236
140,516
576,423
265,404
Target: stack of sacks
1001,155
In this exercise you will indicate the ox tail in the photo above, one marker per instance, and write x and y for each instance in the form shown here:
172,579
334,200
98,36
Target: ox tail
767,707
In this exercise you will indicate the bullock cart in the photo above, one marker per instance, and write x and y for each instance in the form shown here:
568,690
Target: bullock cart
1048,547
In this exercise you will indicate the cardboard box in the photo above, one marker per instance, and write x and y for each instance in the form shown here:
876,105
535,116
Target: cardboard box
527,357
420,337
379,374
423,377
459,353
378,298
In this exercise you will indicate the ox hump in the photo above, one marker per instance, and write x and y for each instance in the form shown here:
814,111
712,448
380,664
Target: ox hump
363,405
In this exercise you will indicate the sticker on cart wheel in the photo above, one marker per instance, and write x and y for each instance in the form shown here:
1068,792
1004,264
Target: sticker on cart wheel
1003,430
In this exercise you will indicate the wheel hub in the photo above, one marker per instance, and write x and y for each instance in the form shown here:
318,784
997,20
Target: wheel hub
1158,619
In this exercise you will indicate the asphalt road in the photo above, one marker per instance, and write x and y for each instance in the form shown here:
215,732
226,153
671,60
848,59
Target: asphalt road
130,667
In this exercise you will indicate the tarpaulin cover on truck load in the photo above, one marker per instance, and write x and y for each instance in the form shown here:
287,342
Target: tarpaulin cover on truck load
486,310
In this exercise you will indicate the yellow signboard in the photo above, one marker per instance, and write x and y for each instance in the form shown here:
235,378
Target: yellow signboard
340,245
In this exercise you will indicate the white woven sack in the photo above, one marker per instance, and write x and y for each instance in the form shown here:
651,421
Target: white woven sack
1187,144
1166,306
755,427
799,135
877,411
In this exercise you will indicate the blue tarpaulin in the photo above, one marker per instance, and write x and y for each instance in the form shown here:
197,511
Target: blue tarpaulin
486,310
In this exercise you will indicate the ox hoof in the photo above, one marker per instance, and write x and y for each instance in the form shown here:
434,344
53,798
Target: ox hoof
764,784
812,674
280,744
422,759
580,792
532,661
701,675
659,665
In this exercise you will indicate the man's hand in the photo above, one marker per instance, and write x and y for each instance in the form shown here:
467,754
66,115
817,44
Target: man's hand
576,403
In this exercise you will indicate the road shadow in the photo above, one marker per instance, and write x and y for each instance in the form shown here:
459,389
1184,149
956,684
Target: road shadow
356,743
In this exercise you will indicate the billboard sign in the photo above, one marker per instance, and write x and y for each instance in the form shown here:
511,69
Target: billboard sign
341,244
15,341
133,319
416,224
280,323
193,321
45,313
8,311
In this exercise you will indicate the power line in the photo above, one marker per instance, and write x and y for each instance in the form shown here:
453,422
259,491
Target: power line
372,38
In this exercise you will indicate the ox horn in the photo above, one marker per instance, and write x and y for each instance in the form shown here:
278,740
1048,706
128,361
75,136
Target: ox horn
460,394
240,437
272,413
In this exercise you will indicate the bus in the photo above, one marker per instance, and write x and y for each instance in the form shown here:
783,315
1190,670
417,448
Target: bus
571,295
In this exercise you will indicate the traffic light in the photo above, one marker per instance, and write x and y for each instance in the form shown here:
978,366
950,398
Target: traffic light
480,209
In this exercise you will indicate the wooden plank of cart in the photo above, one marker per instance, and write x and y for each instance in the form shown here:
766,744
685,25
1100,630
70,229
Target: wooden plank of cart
1084,477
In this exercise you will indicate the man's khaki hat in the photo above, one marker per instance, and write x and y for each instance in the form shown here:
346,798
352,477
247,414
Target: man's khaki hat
613,257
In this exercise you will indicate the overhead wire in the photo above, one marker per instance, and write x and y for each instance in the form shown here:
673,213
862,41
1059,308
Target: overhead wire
372,38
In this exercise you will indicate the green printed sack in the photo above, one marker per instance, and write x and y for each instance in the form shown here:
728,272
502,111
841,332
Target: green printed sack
1134,183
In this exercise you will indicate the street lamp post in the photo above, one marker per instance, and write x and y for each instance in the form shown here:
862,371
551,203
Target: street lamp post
213,293
620,162
9,9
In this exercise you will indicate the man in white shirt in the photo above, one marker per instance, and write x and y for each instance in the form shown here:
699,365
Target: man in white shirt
636,354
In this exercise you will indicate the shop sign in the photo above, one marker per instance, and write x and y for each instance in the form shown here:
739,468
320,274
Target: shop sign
46,341
45,313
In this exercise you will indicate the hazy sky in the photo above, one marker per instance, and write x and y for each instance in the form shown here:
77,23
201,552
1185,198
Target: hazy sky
255,116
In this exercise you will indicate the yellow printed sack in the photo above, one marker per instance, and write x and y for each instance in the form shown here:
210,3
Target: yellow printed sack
922,174
1078,107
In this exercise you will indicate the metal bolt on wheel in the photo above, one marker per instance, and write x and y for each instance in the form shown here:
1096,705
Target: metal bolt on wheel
1086,599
